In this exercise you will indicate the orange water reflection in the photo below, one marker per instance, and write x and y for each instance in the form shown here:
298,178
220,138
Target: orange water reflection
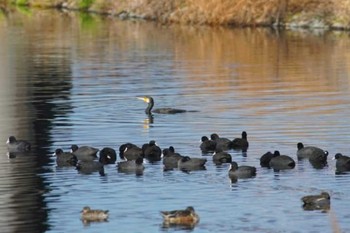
234,57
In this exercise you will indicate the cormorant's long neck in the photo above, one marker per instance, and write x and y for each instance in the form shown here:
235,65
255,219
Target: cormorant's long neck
149,107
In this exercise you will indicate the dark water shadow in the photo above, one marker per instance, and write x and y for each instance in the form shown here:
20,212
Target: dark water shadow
44,83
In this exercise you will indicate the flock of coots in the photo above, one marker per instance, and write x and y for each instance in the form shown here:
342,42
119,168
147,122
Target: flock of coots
85,159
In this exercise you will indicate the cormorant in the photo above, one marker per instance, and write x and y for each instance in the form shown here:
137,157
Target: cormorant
150,101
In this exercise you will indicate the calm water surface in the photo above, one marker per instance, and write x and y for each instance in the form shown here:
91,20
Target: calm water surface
67,78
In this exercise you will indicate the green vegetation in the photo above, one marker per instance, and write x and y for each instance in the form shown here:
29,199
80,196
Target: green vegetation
87,21
24,9
85,4
21,2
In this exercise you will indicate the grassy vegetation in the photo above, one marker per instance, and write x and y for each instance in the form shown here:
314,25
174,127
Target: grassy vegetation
21,2
85,4
332,13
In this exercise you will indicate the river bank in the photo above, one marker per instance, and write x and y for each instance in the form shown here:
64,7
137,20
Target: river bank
319,14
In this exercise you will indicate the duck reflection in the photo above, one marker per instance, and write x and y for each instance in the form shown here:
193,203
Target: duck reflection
324,208
87,223
167,226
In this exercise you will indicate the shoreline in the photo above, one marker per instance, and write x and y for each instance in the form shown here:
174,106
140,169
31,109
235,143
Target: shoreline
303,14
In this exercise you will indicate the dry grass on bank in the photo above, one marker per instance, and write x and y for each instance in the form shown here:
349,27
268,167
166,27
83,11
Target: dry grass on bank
211,11
239,12
236,12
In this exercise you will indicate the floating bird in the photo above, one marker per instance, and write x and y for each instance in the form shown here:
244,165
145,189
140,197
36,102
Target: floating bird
265,159
281,162
317,202
90,215
240,172
207,145
123,147
222,144
187,216
170,158
149,100
14,145
191,164
131,166
220,157
314,154
129,151
84,153
241,143
107,156
342,163
151,151
64,159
